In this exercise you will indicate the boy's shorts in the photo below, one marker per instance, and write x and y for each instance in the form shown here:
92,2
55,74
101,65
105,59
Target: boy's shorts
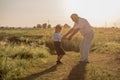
58,48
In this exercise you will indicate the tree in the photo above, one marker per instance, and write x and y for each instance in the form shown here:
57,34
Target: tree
49,25
44,25
39,26
34,26
66,26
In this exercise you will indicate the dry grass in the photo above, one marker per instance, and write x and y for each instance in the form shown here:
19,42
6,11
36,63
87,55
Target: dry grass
25,54
99,68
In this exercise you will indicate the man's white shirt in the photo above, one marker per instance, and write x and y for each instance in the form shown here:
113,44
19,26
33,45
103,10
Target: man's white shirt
83,26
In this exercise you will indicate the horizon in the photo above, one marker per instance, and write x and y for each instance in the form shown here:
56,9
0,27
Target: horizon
29,13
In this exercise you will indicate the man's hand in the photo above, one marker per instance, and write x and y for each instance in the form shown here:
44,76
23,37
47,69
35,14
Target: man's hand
68,33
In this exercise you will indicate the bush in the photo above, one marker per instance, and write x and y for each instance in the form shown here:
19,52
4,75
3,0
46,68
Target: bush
14,59
72,45
50,44
41,52
14,39
108,47
22,55
11,70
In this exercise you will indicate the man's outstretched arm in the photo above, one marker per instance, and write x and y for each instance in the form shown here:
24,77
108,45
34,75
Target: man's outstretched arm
69,32
73,33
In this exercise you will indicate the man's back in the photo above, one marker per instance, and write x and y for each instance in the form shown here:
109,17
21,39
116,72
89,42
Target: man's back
84,26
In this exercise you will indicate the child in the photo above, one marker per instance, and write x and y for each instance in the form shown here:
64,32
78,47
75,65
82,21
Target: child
57,43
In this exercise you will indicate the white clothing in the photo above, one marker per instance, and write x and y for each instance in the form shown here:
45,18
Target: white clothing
87,33
57,37
83,26
85,47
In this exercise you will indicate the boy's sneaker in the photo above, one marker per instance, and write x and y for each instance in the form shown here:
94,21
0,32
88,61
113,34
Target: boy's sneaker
59,62
87,62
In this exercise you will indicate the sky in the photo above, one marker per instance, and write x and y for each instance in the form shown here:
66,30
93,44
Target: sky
28,13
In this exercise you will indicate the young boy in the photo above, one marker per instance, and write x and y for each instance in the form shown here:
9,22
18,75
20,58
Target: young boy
57,43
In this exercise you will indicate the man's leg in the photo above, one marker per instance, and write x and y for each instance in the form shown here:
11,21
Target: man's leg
81,51
86,51
86,45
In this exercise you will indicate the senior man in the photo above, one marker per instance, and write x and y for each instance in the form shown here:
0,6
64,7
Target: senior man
82,25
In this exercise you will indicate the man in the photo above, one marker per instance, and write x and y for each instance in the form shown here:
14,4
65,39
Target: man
82,25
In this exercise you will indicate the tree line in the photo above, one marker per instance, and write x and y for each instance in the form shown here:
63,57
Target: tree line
41,26
44,26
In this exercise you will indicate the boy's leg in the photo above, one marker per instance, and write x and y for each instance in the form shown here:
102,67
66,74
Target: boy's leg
59,59
61,56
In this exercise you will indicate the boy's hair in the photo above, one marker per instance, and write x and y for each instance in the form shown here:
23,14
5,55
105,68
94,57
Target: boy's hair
58,26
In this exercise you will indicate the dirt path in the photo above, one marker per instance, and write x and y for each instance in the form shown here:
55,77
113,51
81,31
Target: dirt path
101,67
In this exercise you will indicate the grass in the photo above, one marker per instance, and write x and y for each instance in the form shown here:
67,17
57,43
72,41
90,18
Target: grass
22,49
97,69
15,59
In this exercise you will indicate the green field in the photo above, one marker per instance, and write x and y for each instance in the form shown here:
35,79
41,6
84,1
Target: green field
24,52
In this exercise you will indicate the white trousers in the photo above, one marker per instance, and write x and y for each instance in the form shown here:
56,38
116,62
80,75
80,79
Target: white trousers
85,46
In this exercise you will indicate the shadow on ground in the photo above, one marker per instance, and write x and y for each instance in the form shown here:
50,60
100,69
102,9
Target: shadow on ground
78,72
36,75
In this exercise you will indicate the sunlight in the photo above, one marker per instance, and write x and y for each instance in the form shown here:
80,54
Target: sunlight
96,11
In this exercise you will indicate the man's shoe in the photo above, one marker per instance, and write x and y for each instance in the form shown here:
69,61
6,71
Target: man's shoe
84,61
